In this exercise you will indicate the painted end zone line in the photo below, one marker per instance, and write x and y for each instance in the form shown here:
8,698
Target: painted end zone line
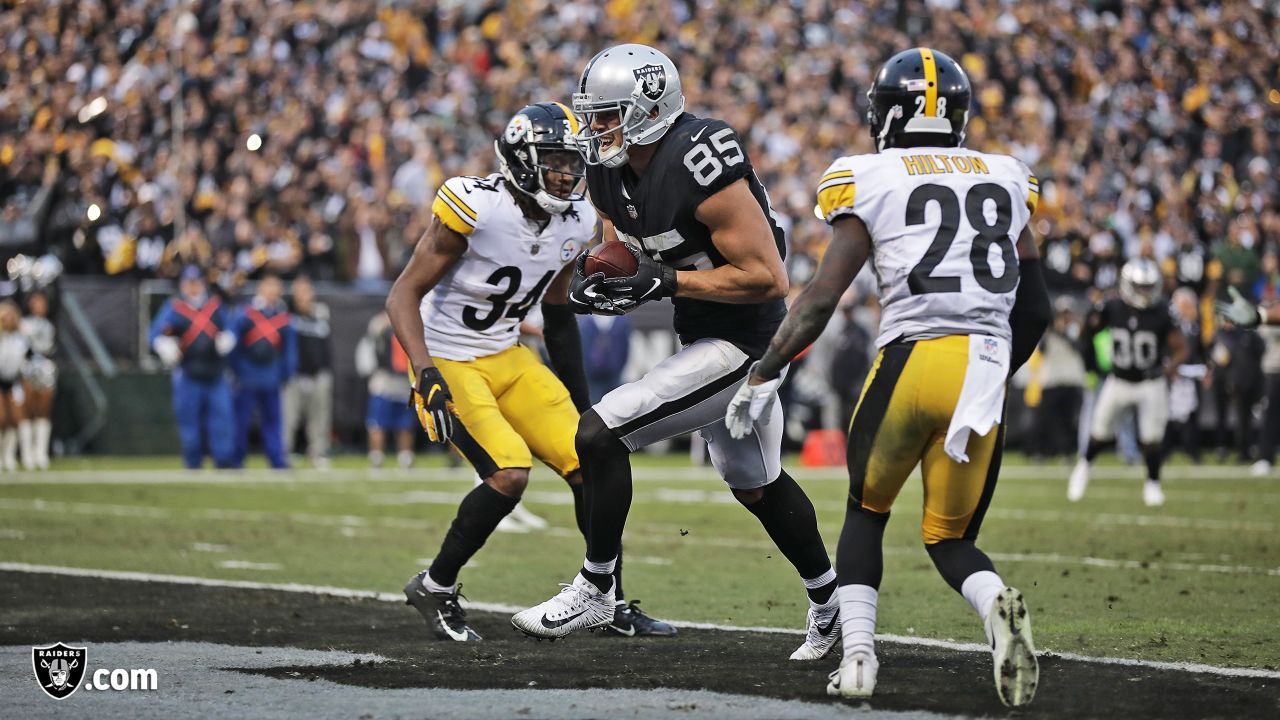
503,608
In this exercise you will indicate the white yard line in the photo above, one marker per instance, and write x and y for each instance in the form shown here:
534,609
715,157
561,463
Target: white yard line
507,608
350,524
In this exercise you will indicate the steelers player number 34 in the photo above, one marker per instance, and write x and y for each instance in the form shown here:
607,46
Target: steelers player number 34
508,280
706,164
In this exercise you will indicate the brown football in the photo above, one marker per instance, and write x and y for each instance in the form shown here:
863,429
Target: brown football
611,258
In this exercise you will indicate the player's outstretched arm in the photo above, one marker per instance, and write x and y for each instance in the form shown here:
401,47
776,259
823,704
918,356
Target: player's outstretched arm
1031,313
436,252
564,344
741,232
850,246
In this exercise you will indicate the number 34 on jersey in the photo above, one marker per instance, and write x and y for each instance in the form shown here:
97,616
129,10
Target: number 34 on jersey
944,223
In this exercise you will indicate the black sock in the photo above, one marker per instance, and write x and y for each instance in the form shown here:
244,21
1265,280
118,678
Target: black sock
1095,448
579,509
580,515
1154,458
860,554
788,517
480,512
602,581
956,560
606,487
820,595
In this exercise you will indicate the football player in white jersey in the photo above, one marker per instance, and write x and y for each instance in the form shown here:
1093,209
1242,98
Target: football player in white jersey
498,246
963,305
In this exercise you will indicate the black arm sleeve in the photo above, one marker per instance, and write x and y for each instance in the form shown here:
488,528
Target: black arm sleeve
564,346
1031,313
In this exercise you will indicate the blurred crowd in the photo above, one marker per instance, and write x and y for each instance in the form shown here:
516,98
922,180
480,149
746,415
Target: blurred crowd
254,136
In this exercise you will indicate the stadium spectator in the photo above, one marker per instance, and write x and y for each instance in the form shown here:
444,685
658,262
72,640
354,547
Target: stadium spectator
380,358
1237,384
191,334
1185,392
308,398
606,346
1059,375
1270,434
40,376
13,420
264,359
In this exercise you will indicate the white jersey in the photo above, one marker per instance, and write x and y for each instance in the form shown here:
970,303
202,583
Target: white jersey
476,308
944,225
39,332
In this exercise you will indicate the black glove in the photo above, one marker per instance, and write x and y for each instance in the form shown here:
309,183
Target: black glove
434,405
585,296
651,281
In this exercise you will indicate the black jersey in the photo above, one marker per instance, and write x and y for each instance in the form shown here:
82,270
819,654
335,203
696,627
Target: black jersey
696,158
1139,339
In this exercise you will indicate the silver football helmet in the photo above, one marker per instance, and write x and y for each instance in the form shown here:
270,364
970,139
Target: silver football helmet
1140,281
641,85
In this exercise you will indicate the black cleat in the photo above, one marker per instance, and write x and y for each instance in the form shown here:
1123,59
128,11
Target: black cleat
629,620
443,613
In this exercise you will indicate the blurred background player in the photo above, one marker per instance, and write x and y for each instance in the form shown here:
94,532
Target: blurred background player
40,376
498,246
955,326
15,428
380,357
1146,350
265,357
191,334
1059,375
680,190
308,398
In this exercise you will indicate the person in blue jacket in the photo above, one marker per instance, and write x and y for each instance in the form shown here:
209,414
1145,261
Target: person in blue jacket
190,335
265,357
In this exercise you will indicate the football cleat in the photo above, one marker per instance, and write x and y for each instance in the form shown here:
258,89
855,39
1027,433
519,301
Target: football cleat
1013,654
578,606
855,678
442,611
1079,481
630,620
823,631
1152,493
1262,468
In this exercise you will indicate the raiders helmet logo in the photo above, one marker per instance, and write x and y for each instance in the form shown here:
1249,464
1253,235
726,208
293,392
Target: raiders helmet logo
59,668
653,81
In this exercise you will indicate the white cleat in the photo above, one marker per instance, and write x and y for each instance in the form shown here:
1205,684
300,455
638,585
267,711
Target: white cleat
1079,481
1152,493
823,631
578,606
1262,468
1016,670
526,517
855,678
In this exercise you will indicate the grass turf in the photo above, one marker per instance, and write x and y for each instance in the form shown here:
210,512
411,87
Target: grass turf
1192,581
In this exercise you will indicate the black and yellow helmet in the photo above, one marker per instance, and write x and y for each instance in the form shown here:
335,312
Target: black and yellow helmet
531,136
919,92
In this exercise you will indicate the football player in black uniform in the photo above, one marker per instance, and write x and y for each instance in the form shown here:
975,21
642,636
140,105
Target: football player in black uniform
681,192
1146,350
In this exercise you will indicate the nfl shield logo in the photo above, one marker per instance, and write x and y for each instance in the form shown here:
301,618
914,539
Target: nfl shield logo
653,81
631,210
989,345
59,668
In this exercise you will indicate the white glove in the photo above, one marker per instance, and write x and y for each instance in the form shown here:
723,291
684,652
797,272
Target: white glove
167,348
749,404
1240,311
225,342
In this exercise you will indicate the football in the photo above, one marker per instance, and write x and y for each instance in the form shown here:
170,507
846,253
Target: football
611,258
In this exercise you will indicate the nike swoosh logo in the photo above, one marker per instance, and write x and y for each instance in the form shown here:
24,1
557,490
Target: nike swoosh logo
694,137
459,636
588,292
624,631
432,393
553,624
827,630
656,283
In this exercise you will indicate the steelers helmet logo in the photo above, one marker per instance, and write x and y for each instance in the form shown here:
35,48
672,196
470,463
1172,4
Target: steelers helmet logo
517,128
653,81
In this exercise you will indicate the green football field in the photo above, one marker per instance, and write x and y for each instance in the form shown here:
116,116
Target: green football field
1196,580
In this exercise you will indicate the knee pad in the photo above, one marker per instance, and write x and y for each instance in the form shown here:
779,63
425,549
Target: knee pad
594,437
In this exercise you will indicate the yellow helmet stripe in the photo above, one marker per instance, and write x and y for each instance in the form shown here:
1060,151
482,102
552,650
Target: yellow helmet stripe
931,83
573,119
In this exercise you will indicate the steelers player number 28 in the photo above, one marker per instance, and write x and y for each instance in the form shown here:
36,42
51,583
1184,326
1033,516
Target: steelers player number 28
990,231
707,164
508,279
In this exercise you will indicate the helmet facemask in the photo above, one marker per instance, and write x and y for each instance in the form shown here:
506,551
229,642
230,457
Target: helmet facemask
527,163
638,89
633,113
